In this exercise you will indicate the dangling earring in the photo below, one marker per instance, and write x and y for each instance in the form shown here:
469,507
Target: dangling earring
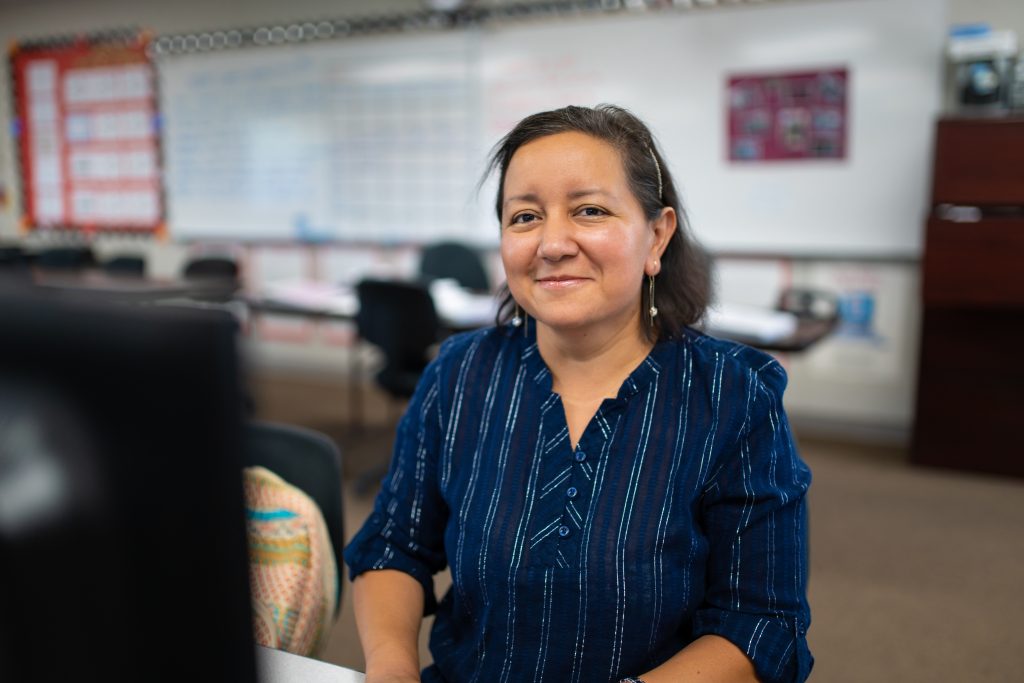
519,319
653,310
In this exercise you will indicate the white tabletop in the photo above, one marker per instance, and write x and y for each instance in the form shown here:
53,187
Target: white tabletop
276,666
455,305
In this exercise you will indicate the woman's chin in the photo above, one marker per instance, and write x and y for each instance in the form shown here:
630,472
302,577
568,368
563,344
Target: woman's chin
570,323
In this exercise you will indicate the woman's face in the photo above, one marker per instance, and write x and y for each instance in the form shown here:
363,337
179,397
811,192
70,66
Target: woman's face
574,239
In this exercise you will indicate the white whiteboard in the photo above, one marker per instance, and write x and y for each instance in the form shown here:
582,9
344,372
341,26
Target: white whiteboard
366,139
383,138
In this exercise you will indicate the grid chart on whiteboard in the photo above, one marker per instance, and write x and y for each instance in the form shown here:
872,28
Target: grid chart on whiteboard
404,159
245,145
313,146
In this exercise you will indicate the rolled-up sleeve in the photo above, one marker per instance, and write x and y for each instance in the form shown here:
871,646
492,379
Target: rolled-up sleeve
405,531
754,514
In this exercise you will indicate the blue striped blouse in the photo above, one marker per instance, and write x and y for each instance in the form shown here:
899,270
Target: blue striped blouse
680,513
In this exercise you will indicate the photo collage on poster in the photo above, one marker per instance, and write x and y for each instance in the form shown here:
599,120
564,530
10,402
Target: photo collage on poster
788,116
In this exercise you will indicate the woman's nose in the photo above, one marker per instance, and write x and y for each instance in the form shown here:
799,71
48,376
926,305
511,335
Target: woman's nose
557,240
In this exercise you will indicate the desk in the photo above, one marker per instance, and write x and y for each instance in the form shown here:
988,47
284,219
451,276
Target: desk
133,289
807,333
767,329
458,310
276,666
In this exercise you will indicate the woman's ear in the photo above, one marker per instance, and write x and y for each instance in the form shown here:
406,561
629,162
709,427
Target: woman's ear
664,226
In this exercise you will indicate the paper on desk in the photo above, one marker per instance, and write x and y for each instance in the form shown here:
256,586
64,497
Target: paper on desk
737,320
457,306
320,297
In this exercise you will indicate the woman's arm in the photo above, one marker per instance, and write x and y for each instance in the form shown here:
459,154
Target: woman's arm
393,557
709,659
389,609
754,515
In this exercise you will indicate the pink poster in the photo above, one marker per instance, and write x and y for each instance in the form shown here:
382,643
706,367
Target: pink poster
788,116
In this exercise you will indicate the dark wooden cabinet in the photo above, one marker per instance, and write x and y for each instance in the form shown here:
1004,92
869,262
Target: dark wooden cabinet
979,162
974,265
970,393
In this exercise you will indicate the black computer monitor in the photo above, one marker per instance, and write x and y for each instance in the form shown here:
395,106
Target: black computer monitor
122,540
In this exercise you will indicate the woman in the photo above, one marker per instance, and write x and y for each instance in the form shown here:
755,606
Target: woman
618,495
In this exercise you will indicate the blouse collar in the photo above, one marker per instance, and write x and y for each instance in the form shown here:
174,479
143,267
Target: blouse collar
646,373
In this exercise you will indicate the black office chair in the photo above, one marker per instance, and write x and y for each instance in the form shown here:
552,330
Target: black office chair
14,263
125,265
399,318
10,255
220,273
308,460
455,260
65,258
211,267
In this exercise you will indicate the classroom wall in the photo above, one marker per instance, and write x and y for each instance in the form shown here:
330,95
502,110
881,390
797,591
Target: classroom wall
862,381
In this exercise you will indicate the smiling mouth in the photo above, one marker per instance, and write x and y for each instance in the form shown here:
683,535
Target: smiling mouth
559,281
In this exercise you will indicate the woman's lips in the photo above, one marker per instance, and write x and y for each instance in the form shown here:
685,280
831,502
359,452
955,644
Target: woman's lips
560,281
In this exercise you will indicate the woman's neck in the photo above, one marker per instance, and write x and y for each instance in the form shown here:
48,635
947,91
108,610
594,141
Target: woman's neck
589,365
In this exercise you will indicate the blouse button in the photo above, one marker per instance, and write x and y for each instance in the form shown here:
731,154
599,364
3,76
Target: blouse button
580,456
571,492
563,531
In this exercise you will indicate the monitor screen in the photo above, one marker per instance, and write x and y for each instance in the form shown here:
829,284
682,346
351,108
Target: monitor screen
122,538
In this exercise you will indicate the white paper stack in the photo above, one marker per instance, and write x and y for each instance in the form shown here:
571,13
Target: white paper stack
317,297
460,307
749,322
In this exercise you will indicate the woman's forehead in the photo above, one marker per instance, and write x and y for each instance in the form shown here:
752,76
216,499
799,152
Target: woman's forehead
563,156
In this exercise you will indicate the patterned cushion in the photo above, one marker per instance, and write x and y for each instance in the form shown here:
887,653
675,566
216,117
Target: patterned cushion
292,574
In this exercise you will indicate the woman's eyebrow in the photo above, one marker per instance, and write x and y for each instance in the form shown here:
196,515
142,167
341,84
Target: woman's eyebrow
576,194
530,197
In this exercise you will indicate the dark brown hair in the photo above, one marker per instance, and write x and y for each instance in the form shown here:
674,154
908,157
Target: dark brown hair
683,286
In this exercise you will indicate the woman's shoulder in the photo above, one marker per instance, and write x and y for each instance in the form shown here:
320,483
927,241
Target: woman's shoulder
472,361
460,344
479,348
713,354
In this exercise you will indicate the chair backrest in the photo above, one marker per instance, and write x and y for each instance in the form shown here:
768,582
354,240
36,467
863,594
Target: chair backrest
208,267
14,263
128,265
12,255
398,317
65,258
457,261
308,460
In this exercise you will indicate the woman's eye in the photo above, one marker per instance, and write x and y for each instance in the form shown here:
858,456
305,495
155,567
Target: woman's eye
523,218
591,211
